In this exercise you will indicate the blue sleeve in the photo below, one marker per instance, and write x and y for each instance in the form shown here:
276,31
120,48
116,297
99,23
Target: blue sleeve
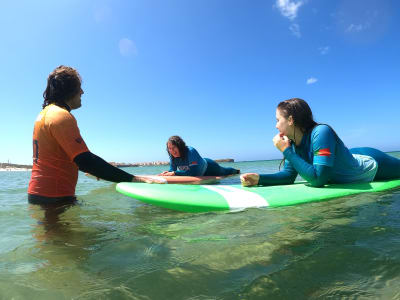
172,166
323,145
286,176
317,175
196,164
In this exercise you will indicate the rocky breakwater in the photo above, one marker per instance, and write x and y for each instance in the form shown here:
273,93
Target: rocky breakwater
14,167
17,167
141,164
157,163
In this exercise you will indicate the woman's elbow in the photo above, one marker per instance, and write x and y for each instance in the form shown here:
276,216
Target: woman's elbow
317,183
291,179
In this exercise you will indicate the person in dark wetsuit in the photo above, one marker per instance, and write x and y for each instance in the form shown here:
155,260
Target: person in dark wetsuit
186,161
316,153
58,148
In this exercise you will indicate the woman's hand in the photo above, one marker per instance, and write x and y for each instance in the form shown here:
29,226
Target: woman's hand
167,173
249,179
281,142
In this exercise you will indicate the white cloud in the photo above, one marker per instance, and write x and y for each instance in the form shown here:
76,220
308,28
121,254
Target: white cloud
312,80
324,50
127,47
357,27
289,8
295,29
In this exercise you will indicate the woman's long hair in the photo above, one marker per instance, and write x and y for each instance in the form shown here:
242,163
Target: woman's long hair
62,84
301,114
178,142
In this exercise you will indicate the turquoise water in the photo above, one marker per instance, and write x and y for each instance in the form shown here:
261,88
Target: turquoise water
110,246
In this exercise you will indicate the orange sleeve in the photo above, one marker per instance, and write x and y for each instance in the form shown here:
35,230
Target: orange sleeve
64,129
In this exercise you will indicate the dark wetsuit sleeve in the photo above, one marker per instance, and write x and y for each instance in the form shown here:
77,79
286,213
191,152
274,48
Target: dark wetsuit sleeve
286,176
317,175
90,163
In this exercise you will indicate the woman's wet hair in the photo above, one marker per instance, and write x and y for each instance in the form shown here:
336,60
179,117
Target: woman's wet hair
178,142
302,116
62,84
300,112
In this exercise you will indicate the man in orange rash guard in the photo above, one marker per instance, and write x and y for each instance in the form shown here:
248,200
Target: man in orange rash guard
56,142
58,148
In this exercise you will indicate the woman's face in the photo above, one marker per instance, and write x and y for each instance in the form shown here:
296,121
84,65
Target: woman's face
284,125
173,150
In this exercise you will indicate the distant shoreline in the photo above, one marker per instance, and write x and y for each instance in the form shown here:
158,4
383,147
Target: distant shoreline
17,167
158,163
14,167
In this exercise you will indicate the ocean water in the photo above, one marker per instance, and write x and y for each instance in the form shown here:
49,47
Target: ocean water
110,246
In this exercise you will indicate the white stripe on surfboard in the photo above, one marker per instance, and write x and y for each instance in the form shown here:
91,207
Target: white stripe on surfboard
237,198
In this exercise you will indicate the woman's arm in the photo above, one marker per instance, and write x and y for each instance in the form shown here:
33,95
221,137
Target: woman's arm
316,175
171,171
323,147
286,176
172,166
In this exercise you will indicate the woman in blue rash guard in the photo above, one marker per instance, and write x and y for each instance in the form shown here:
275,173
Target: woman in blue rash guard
186,161
316,153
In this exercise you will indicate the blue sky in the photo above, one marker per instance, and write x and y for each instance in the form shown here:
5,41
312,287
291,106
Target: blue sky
210,71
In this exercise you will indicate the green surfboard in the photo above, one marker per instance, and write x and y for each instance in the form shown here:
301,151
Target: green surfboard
203,198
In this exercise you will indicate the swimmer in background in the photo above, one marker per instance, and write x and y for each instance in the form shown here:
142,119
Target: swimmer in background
316,153
186,161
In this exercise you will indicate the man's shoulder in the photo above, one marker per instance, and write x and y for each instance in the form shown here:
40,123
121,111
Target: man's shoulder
56,114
